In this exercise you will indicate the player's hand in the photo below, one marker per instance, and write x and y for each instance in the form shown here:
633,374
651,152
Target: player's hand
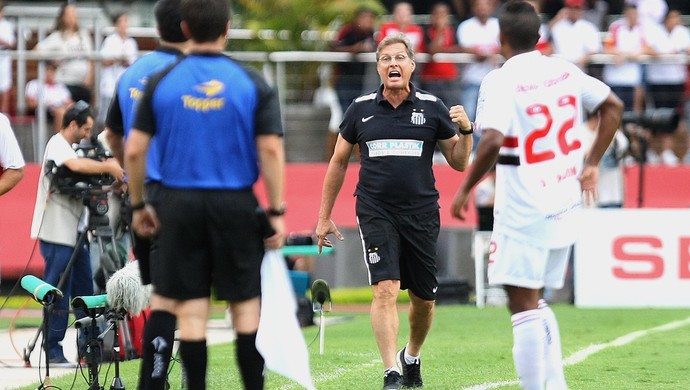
460,205
145,222
323,229
589,180
459,117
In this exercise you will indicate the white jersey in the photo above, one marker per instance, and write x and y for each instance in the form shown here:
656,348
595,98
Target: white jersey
536,102
10,153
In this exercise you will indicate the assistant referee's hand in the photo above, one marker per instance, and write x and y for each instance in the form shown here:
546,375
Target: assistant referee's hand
145,222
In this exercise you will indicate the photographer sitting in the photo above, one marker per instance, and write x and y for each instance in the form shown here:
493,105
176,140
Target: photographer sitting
56,217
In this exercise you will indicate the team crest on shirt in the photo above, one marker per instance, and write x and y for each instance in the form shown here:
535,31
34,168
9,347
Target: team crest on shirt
208,102
418,118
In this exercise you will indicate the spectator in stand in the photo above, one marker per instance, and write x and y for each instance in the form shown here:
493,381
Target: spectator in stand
56,96
477,35
401,21
650,11
574,38
7,42
596,12
354,37
71,42
627,41
11,159
118,51
441,78
666,82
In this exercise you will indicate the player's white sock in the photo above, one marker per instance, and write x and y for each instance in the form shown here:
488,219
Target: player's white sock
529,338
409,359
555,378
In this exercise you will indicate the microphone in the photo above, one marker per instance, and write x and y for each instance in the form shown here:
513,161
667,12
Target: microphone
90,302
42,292
320,295
125,290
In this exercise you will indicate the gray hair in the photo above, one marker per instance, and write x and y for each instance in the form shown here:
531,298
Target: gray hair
393,39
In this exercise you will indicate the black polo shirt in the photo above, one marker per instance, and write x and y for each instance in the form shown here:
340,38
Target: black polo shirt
397,147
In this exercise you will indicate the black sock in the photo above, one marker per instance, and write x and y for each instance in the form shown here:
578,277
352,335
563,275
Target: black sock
194,358
159,336
250,361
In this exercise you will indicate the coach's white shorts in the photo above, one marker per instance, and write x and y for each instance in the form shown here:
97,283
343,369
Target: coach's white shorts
519,263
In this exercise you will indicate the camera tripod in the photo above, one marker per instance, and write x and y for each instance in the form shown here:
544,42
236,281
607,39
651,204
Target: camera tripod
93,220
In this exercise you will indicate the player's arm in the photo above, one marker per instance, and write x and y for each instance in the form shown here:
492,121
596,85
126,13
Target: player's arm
117,144
272,158
9,178
610,112
114,128
332,183
458,148
484,160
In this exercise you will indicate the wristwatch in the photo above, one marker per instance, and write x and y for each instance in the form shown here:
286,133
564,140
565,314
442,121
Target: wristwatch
467,132
138,206
271,212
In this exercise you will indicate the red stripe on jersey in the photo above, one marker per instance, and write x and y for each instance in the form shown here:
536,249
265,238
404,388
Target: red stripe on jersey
510,142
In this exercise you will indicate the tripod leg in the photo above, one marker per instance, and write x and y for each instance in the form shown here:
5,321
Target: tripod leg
60,286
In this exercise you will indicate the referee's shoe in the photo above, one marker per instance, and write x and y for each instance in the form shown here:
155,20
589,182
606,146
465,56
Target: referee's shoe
411,373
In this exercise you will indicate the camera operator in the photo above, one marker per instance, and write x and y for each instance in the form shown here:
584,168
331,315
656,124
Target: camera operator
56,217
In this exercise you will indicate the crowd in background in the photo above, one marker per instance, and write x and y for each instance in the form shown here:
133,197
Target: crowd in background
572,29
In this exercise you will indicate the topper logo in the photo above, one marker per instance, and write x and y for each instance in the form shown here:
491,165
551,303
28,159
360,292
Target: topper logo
641,257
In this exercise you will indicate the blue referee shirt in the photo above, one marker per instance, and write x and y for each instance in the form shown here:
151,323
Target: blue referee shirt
205,112
130,87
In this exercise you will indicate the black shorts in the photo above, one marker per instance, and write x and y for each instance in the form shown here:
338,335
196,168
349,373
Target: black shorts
207,239
400,247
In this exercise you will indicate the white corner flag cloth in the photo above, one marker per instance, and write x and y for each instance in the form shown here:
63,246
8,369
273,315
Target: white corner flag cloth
279,338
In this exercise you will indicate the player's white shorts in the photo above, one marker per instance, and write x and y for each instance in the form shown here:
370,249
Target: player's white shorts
519,263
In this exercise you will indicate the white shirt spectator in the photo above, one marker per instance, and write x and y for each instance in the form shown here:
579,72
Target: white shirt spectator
7,41
72,69
55,94
10,154
573,41
625,40
484,37
668,42
116,47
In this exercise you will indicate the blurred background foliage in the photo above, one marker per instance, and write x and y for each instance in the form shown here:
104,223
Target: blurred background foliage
294,17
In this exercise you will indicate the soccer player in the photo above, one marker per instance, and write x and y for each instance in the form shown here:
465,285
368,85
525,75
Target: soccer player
11,159
397,128
161,323
528,114
217,122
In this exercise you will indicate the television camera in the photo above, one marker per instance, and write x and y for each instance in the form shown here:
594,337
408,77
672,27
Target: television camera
92,189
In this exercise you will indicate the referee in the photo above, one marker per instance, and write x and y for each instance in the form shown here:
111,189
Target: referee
161,324
215,122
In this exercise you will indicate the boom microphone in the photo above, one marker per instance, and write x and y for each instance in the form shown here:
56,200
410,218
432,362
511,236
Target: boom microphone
42,292
125,290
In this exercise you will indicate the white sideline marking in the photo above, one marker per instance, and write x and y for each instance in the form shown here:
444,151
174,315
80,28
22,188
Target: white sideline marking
583,354
325,377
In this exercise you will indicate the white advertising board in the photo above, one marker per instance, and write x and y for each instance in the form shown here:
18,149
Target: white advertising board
633,258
